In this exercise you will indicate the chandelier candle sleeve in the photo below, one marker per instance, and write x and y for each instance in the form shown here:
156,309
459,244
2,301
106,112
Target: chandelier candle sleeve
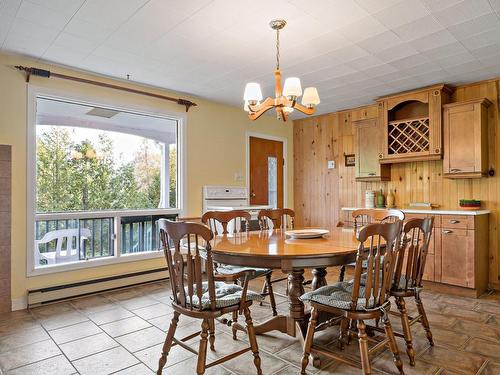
285,99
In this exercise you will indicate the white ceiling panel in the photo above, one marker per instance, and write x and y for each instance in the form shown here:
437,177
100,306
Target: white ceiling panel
353,51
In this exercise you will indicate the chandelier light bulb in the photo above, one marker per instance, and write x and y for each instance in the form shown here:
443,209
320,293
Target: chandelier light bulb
292,87
253,92
311,97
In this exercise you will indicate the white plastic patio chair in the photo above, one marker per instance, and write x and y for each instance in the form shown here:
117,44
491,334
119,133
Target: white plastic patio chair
70,253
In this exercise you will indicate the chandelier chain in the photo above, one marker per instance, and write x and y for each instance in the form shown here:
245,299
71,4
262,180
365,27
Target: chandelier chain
277,49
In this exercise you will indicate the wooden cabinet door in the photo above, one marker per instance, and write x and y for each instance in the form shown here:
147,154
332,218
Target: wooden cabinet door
368,148
462,138
429,270
457,257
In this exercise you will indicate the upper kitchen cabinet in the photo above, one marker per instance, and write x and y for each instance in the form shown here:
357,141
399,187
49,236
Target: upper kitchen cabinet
466,139
412,124
369,143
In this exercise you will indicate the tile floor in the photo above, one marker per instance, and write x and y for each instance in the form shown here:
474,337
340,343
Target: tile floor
122,332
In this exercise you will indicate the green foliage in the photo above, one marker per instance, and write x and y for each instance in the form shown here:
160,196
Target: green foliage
84,176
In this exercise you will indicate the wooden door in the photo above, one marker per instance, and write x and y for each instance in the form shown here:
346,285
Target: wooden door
266,171
457,257
461,138
368,147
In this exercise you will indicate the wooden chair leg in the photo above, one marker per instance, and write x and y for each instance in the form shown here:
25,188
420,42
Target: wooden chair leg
211,339
233,324
392,343
202,351
405,322
271,294
342,273
344,332
168,342
308,341
423,319
253,340
363,348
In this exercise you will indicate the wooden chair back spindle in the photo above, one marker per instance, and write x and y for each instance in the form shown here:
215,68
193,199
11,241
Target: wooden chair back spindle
377,246
282,218
364,216
412,254
186,273
241,221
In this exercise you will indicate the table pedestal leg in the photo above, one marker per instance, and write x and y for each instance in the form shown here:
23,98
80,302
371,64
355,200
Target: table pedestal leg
296,306
319,278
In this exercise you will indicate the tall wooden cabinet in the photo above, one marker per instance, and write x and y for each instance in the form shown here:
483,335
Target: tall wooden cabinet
412,124
466,139
369,145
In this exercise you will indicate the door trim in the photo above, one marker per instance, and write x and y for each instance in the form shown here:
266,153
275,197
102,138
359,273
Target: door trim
285,156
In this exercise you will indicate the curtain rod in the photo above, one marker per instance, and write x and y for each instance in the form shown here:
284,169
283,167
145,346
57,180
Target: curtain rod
47,74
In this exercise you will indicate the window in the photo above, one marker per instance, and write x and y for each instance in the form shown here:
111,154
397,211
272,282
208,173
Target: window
103,177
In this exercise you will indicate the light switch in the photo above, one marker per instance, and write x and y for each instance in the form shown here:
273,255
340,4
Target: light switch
331,164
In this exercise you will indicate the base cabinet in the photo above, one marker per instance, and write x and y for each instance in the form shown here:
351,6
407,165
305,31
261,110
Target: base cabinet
457,257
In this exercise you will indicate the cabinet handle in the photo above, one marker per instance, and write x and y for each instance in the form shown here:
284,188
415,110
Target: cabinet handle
455,170
371,174
447,231
454,221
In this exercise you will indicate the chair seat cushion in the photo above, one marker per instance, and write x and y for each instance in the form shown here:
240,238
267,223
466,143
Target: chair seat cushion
337,295
225,295
228,269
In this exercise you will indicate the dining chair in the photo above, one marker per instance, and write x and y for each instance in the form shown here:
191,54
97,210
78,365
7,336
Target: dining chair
409,270
278,218
204,300
364,216
238,221
352,301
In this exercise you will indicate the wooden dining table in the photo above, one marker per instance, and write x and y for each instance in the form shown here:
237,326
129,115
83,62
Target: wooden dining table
274,249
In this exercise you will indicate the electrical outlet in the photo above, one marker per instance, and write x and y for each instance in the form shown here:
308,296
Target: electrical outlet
331,164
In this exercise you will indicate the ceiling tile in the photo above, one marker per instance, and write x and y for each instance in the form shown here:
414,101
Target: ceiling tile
374,6
366,62
109,13
401,13
418,28
67,7
487,51
462,11
475,26
465,67
483,39
449,61
380,42
434,40
358,30
9,7
88,30
409,61
437,5
397,52
495,5
42,15
450,49
336,13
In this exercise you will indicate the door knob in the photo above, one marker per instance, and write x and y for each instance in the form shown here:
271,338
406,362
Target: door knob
252,195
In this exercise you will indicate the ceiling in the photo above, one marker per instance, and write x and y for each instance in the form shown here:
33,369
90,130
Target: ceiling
352,50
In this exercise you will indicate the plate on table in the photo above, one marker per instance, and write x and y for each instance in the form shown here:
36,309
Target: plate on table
307,233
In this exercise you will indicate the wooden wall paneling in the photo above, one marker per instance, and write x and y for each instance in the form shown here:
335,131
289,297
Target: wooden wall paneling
417,181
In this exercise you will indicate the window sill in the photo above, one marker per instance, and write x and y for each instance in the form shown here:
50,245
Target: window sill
91,263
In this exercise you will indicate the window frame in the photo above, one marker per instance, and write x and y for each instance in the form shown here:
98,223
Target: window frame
35,92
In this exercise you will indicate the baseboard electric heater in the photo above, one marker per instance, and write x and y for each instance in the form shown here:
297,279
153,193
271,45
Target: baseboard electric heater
42,296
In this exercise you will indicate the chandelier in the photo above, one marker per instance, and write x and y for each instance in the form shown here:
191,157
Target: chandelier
285,100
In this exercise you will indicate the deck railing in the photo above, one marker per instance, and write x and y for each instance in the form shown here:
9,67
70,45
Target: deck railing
100,234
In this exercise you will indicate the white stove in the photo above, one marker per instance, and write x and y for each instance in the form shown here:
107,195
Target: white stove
227,198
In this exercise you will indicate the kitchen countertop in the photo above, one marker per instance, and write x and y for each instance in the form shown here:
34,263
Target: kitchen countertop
437,211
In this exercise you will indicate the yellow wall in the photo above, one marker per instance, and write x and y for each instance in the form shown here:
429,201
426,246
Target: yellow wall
215,151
